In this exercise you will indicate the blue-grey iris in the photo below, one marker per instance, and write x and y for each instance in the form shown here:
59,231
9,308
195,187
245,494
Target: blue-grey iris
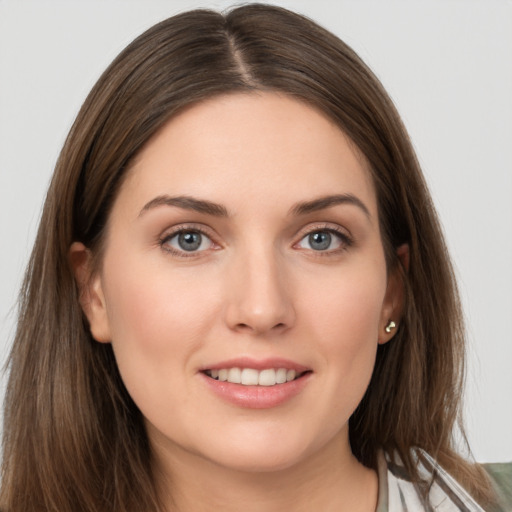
320,240
189,241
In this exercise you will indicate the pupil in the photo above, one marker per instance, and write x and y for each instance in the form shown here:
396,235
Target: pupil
189,241
320,240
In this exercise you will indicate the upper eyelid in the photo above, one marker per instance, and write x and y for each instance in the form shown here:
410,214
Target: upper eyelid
345,237
200,228
171,232
167,235
324,226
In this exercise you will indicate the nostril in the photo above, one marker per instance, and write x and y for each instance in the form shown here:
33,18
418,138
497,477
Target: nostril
258,316
258,328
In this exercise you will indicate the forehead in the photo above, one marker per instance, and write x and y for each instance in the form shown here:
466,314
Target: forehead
264,145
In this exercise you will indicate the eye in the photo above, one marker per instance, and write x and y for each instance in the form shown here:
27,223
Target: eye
324,240
188,241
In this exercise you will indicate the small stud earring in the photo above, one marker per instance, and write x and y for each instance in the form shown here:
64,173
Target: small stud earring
391,325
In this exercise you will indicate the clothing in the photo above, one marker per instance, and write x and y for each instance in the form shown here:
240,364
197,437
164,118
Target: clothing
398,494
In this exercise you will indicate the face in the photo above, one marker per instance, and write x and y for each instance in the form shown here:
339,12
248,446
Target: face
244,287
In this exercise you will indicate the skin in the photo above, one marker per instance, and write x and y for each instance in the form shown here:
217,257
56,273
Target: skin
256,287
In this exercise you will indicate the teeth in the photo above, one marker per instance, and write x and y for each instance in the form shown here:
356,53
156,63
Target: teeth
267,378
251,377
235,375
281,376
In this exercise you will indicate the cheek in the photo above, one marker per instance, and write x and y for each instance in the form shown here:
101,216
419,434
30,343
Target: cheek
157,320
348,307
155,308
345,318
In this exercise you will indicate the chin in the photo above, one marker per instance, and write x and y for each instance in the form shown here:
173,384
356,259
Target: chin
247,461
259,454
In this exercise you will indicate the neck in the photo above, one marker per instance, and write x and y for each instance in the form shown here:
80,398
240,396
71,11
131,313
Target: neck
330,480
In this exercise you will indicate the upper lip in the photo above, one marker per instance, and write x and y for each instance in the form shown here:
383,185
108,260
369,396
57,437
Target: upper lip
257,364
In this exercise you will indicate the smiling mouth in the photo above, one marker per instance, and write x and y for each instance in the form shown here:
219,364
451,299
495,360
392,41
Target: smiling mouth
251,377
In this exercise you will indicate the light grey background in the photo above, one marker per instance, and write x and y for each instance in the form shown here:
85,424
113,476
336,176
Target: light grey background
446,63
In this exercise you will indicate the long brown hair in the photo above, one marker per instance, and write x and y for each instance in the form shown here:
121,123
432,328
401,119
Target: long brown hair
73,438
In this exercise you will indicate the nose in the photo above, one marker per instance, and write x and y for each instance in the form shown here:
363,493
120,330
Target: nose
259,294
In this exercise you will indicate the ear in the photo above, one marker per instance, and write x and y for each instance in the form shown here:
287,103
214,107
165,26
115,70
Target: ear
393,305
92,298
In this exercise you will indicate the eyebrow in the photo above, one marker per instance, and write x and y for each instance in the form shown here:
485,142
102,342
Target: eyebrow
218,210
186,203
324,202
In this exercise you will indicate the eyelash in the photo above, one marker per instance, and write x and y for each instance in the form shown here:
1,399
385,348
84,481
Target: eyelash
346,241
181,229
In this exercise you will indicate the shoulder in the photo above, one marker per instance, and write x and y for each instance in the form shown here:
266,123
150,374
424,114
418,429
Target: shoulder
501,478
399,492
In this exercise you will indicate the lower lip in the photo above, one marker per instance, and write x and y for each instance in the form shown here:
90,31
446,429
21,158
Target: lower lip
256,397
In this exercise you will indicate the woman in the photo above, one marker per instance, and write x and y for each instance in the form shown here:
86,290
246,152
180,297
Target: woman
239,295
